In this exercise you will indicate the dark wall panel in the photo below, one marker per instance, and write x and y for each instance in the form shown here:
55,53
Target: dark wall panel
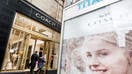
6,20
51,72
3,1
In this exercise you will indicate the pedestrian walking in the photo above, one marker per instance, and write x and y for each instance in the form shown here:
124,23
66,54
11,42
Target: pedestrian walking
34,59
40,64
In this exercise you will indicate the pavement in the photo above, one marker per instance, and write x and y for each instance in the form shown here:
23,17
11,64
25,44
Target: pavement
27,72
20,72
16,73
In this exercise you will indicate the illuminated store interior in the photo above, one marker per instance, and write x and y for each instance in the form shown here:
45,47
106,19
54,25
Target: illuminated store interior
27,36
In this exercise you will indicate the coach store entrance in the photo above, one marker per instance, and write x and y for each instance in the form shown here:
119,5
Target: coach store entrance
26,37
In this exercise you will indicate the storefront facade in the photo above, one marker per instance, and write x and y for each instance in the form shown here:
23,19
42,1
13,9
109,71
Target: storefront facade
24,29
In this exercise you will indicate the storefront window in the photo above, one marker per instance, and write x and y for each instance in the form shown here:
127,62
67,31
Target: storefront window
54,56
26,37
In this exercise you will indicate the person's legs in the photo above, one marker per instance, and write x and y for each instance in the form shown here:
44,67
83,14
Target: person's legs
32,70
51,65
38,70
41,71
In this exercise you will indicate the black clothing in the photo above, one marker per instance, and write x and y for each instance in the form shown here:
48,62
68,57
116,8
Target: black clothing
34,59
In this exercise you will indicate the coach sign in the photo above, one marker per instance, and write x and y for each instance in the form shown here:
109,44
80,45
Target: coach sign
47,20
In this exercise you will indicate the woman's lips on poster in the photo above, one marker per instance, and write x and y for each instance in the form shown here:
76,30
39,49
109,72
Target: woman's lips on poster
99,71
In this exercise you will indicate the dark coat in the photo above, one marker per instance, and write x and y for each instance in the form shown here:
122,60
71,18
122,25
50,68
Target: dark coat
34,59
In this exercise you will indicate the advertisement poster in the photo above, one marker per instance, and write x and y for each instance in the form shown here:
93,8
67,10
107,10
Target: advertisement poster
99,42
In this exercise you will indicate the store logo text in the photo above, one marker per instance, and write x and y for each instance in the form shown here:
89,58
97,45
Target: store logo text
44,19
86,3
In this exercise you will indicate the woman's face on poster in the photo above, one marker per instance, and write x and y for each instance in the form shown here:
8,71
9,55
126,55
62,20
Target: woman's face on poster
104,57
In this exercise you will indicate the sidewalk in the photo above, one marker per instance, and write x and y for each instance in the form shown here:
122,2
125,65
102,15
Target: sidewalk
28,72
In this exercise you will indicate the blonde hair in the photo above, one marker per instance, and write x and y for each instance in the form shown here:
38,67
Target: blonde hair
111,37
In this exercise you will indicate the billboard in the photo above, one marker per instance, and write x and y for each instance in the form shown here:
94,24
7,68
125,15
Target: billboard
98,42
84,6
